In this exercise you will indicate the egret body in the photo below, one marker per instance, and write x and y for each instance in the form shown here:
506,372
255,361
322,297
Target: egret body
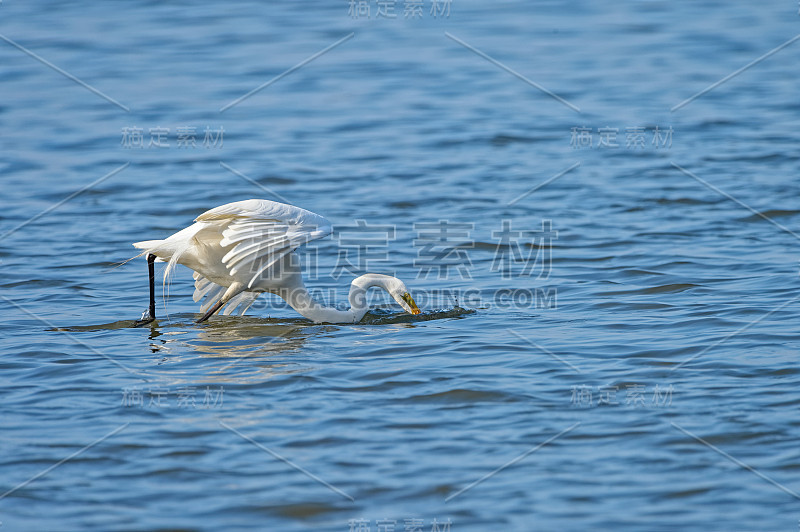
242,249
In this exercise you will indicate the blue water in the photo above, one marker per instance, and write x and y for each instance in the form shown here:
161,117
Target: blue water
641,375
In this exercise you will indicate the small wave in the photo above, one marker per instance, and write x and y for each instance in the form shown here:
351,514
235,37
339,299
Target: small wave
462,395
770,213
667,288
383,317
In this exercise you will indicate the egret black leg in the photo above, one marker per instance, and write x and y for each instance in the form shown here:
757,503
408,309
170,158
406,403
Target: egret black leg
212,310
149,315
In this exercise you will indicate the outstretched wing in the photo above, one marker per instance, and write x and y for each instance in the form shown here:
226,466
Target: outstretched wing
262,232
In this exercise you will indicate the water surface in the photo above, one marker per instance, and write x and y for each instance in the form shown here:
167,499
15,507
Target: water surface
651,382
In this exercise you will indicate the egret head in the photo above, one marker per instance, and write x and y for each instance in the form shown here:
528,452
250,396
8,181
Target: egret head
396,288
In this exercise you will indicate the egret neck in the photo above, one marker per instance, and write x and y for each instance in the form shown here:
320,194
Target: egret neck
303,302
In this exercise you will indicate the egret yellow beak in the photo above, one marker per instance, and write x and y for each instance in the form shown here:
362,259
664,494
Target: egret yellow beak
410,301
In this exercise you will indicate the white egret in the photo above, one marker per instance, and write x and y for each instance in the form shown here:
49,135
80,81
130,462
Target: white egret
241,249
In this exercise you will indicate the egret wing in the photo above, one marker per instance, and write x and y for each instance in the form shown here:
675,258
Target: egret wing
239,304
261,232
211,292
206,291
